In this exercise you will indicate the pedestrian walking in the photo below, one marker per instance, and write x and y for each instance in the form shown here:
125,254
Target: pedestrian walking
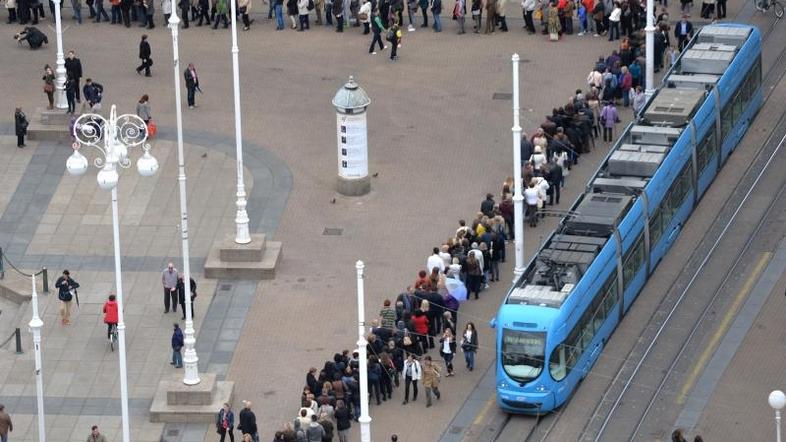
66,293
394,36
93,92
144,55
683,31
279,11
20,127
100,11
244,7
448,349
412,374
150,11
458,15
609,119
248,422
302,12
95,435
6,426
181,294
143,108
70,90
192,83
177,346
169,281
225,423
430,380
469,345
343,421
221,14
49,86
376,29
436,10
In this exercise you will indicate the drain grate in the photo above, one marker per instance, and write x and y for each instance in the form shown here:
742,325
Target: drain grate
173,433
225,287
333,231
456,429
502,96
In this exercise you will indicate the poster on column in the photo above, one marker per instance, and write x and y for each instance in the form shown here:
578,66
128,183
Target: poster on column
352,145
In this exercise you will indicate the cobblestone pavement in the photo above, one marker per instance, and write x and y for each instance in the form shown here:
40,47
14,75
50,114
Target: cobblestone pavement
437,140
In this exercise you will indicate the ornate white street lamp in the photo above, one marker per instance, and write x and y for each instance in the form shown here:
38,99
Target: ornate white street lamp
112,138
35,327
242,235
364,419
190,359
60,71
777,401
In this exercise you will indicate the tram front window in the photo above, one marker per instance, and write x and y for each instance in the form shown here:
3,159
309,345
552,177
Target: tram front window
523,354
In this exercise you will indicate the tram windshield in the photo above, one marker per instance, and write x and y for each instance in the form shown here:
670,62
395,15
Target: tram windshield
523,354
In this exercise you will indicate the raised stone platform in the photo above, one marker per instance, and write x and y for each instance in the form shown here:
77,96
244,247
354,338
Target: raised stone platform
49,125
254,261
177,402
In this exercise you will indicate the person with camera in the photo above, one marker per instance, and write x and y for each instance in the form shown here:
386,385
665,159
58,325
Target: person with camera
33,36
20,125
66,292
92,92
49,86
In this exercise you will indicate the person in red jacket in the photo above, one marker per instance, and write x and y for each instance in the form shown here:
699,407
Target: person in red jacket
110,315
420,324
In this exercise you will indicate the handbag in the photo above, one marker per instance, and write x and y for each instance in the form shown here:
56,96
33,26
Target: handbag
49,87
538,14
407,341
152,129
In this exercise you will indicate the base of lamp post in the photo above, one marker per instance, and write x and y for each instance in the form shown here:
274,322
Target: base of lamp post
255,260
353,186
175,401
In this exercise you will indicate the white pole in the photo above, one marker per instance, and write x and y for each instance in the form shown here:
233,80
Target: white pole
778,425
649,74
121,326
518,197
190,359
241,217
60,71
364,419
35,326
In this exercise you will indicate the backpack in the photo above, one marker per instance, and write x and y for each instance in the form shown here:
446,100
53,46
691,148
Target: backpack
310,5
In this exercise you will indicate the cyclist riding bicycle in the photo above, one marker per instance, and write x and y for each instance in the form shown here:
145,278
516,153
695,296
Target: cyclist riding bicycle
110,315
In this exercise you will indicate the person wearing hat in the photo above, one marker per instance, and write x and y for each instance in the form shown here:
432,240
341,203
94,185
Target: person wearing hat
683,31
248,422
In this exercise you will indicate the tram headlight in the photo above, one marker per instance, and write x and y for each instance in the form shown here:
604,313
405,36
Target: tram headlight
503,384
541,389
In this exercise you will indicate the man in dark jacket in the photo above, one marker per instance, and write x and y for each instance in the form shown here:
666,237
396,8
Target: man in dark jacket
144,55
338,11
487,206
181,292
192,83
683,31
20,125
248,422
554,177
177,345
34,37
73,67
93,92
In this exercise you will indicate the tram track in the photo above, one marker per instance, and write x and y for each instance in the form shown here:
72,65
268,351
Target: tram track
615,396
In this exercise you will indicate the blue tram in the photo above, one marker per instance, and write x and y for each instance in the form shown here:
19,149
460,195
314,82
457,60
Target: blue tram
556,318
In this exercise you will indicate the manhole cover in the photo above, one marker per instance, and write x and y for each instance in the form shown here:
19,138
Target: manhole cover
455,429
172,433
525,60
502,96
333,231
225,287
268,393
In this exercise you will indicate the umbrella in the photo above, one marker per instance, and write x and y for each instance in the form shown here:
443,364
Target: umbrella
456,288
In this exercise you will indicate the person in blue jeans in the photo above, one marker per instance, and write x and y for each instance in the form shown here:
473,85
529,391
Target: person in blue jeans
278,8
177,345
436,10
469,344
76,5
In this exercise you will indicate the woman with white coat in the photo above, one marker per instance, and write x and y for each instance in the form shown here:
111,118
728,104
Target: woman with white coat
302,10
538,159
364,15
412,373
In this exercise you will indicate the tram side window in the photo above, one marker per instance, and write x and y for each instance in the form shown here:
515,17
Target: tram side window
633,261
656,225
706,150
734,108
565,355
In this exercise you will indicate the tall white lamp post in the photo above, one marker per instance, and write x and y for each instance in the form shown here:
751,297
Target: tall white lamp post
112,138
518,196
60,71
190,359
242,235
35,327
777,401
364,419
649,72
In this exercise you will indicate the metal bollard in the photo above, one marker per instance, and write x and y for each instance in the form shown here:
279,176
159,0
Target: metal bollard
18,341
45,277
2,271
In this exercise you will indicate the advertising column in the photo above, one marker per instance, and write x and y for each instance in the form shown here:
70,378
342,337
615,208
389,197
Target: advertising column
351,103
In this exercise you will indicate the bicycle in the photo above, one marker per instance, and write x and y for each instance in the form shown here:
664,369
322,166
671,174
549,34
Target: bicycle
113,337
765,5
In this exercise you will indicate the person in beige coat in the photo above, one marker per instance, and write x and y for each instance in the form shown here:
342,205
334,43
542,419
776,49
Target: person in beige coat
6,425
244,7
430,380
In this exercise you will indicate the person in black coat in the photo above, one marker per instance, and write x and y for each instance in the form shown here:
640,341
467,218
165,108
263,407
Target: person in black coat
192,83
181,291
683,31
554,177
343,419
33,36
73,67
248,421
144,55
20,125
435,310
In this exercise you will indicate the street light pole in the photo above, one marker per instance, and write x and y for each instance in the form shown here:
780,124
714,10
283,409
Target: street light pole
518,197
649,74
35,327
60,71
364,419
242,235
190,359
777,401
116,135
